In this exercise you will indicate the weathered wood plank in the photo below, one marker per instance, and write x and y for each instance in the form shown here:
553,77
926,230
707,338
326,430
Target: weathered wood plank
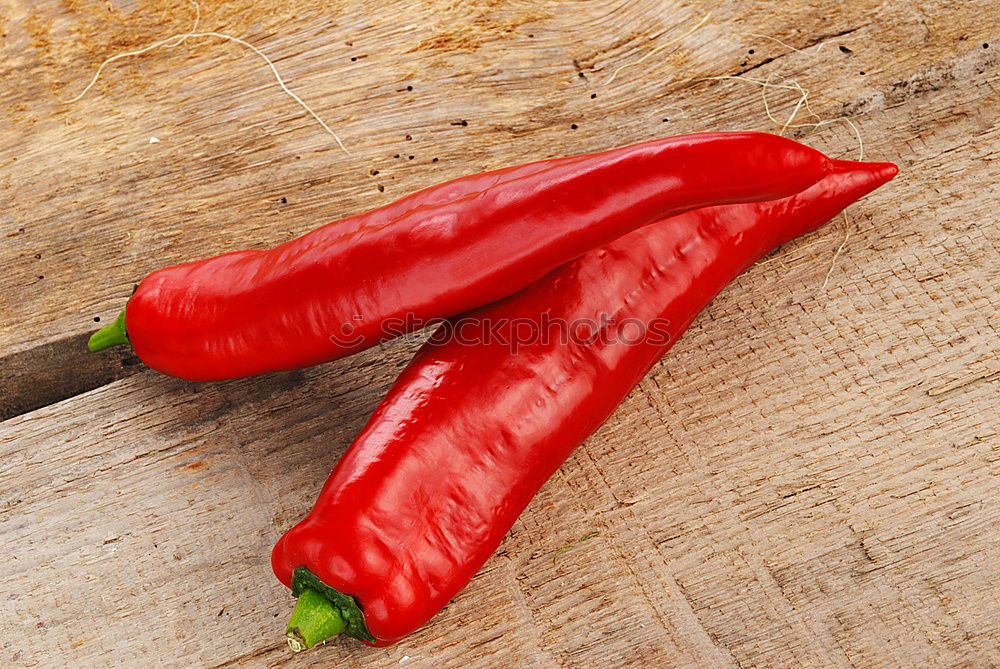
809,479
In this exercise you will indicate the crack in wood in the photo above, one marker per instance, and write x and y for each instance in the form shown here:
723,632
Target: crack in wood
813,42
257,654
52,372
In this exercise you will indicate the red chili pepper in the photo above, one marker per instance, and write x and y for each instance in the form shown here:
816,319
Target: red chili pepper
437,253
469,433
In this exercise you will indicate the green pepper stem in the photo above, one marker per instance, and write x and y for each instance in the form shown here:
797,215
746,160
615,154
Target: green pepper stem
110,335
314,619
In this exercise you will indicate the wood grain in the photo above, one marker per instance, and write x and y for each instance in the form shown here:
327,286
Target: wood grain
811,478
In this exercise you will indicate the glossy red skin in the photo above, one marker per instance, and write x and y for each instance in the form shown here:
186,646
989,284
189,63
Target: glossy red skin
439,252
468,434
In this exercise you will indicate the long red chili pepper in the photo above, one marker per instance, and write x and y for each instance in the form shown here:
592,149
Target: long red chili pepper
468,434
437,253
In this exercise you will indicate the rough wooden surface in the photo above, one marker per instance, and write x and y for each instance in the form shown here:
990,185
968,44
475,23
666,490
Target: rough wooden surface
810,478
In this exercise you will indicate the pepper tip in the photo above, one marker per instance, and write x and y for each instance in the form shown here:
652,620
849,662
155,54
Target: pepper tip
314,619
112,334
295,641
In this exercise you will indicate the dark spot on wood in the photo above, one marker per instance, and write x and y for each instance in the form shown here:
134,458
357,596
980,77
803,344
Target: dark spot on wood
434,160
593,95
396,156
97,319
750,52
461,123
38,256
574,126
284,200
862,73
408,138
666,120
410,157
354,59
349,43
41,276
844,49
986,45
381,188
373,172
409,88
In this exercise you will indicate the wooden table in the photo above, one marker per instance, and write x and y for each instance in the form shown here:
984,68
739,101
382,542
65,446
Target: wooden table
810,478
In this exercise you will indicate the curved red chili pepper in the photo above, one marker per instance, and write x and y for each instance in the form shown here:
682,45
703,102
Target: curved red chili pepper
437,253
468,434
